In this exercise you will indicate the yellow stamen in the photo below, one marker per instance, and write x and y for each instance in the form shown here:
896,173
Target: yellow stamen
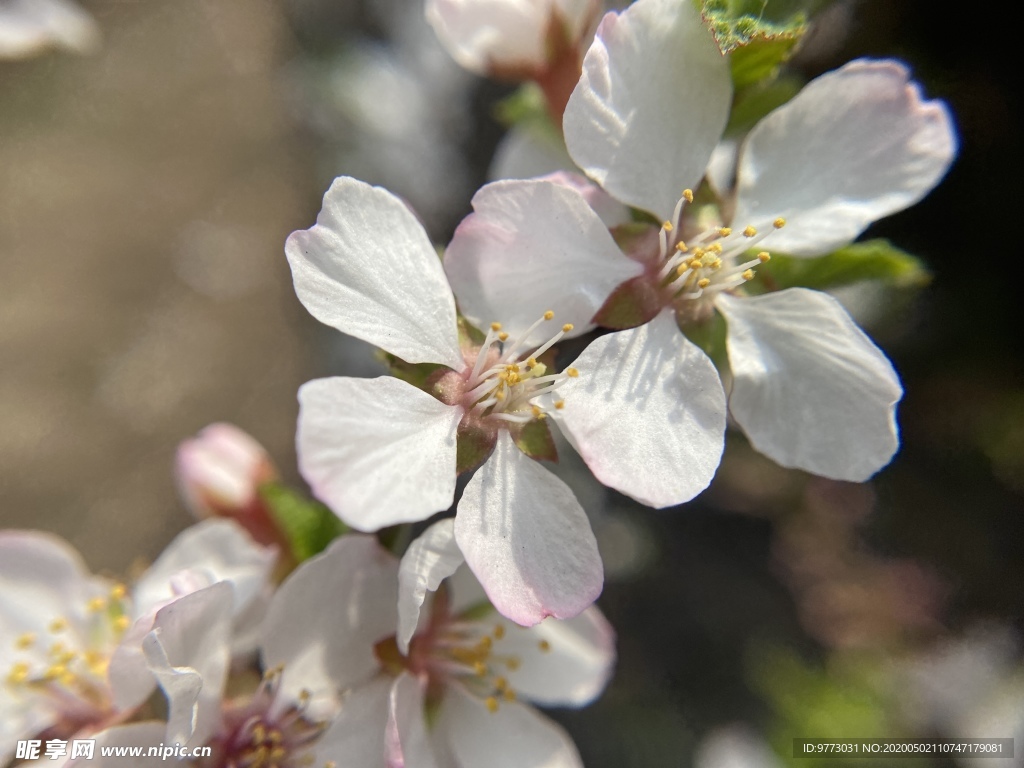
681,247
748,275
559,404
97,604
779,223
764,256
499,630
118,592
492,704
509,694
121,623
58,625
500,683
724,231
572,373
667,226
703,283
495,327
749,232
531,363
688,194
18,674
544,645
25,641
567,327
503,336
548,315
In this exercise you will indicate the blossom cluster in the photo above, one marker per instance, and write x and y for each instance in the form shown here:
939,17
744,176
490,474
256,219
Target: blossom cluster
657,237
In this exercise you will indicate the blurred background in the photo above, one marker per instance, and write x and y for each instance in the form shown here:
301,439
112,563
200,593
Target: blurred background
145,194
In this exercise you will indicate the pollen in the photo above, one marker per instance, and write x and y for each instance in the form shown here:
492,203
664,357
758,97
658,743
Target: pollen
559,404
748,275
749,231
688,194
118,591
97,604
492,704
18,673
779,223
531,362
703,283
681,247
121,623
58,625
572,373
549,315
544,645
667,226
499,629
495,327
764,256
567,327
509,694
724,231
503,336
25,641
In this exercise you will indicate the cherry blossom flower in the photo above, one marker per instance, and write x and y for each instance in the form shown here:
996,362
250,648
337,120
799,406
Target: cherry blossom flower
72,639
219,473
808,387
28,27
381,451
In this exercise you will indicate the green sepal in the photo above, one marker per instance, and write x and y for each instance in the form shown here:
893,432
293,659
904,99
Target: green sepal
526,107
415,374
473,444
759,60
635,302
738,23
469,335
534,439
710,336
873,260
756,101
308,525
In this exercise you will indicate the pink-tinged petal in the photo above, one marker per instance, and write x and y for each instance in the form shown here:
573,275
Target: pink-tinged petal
562,662
356,737
433,557
326,617
377,451
217,550
651,104
145,735
611,212
532,246
853,146
188,651
647,413
488,36
407,744
368,269
43,578
220,470
527,539
28,27
512,737
810,389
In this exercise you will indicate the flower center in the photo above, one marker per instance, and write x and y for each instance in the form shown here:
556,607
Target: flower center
258,734
505,383
69,669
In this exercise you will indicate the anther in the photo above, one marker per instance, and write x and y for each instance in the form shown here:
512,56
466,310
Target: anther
572,373
681,247
492,704
544,645
18,674
688,194
724,231
667,226
121,623
749,232
748,275
97,604
495,327
531,362
499,630
503,336
25,641
549,315
559,404
58,625
779,223
703,283
509,694
567,327
118,591
764,256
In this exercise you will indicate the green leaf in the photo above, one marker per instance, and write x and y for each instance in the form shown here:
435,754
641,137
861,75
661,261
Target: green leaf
760,59
877,260
308,525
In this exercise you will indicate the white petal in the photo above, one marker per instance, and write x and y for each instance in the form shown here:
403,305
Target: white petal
854,145
355,738
527,539
368,269
406,742
526,153
514,736
484,34
572,666
29,26
43,578
377,451
810,389
651,104
647,413
145,735
735,746
221,550
532,246
326,617
433,557
188,651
